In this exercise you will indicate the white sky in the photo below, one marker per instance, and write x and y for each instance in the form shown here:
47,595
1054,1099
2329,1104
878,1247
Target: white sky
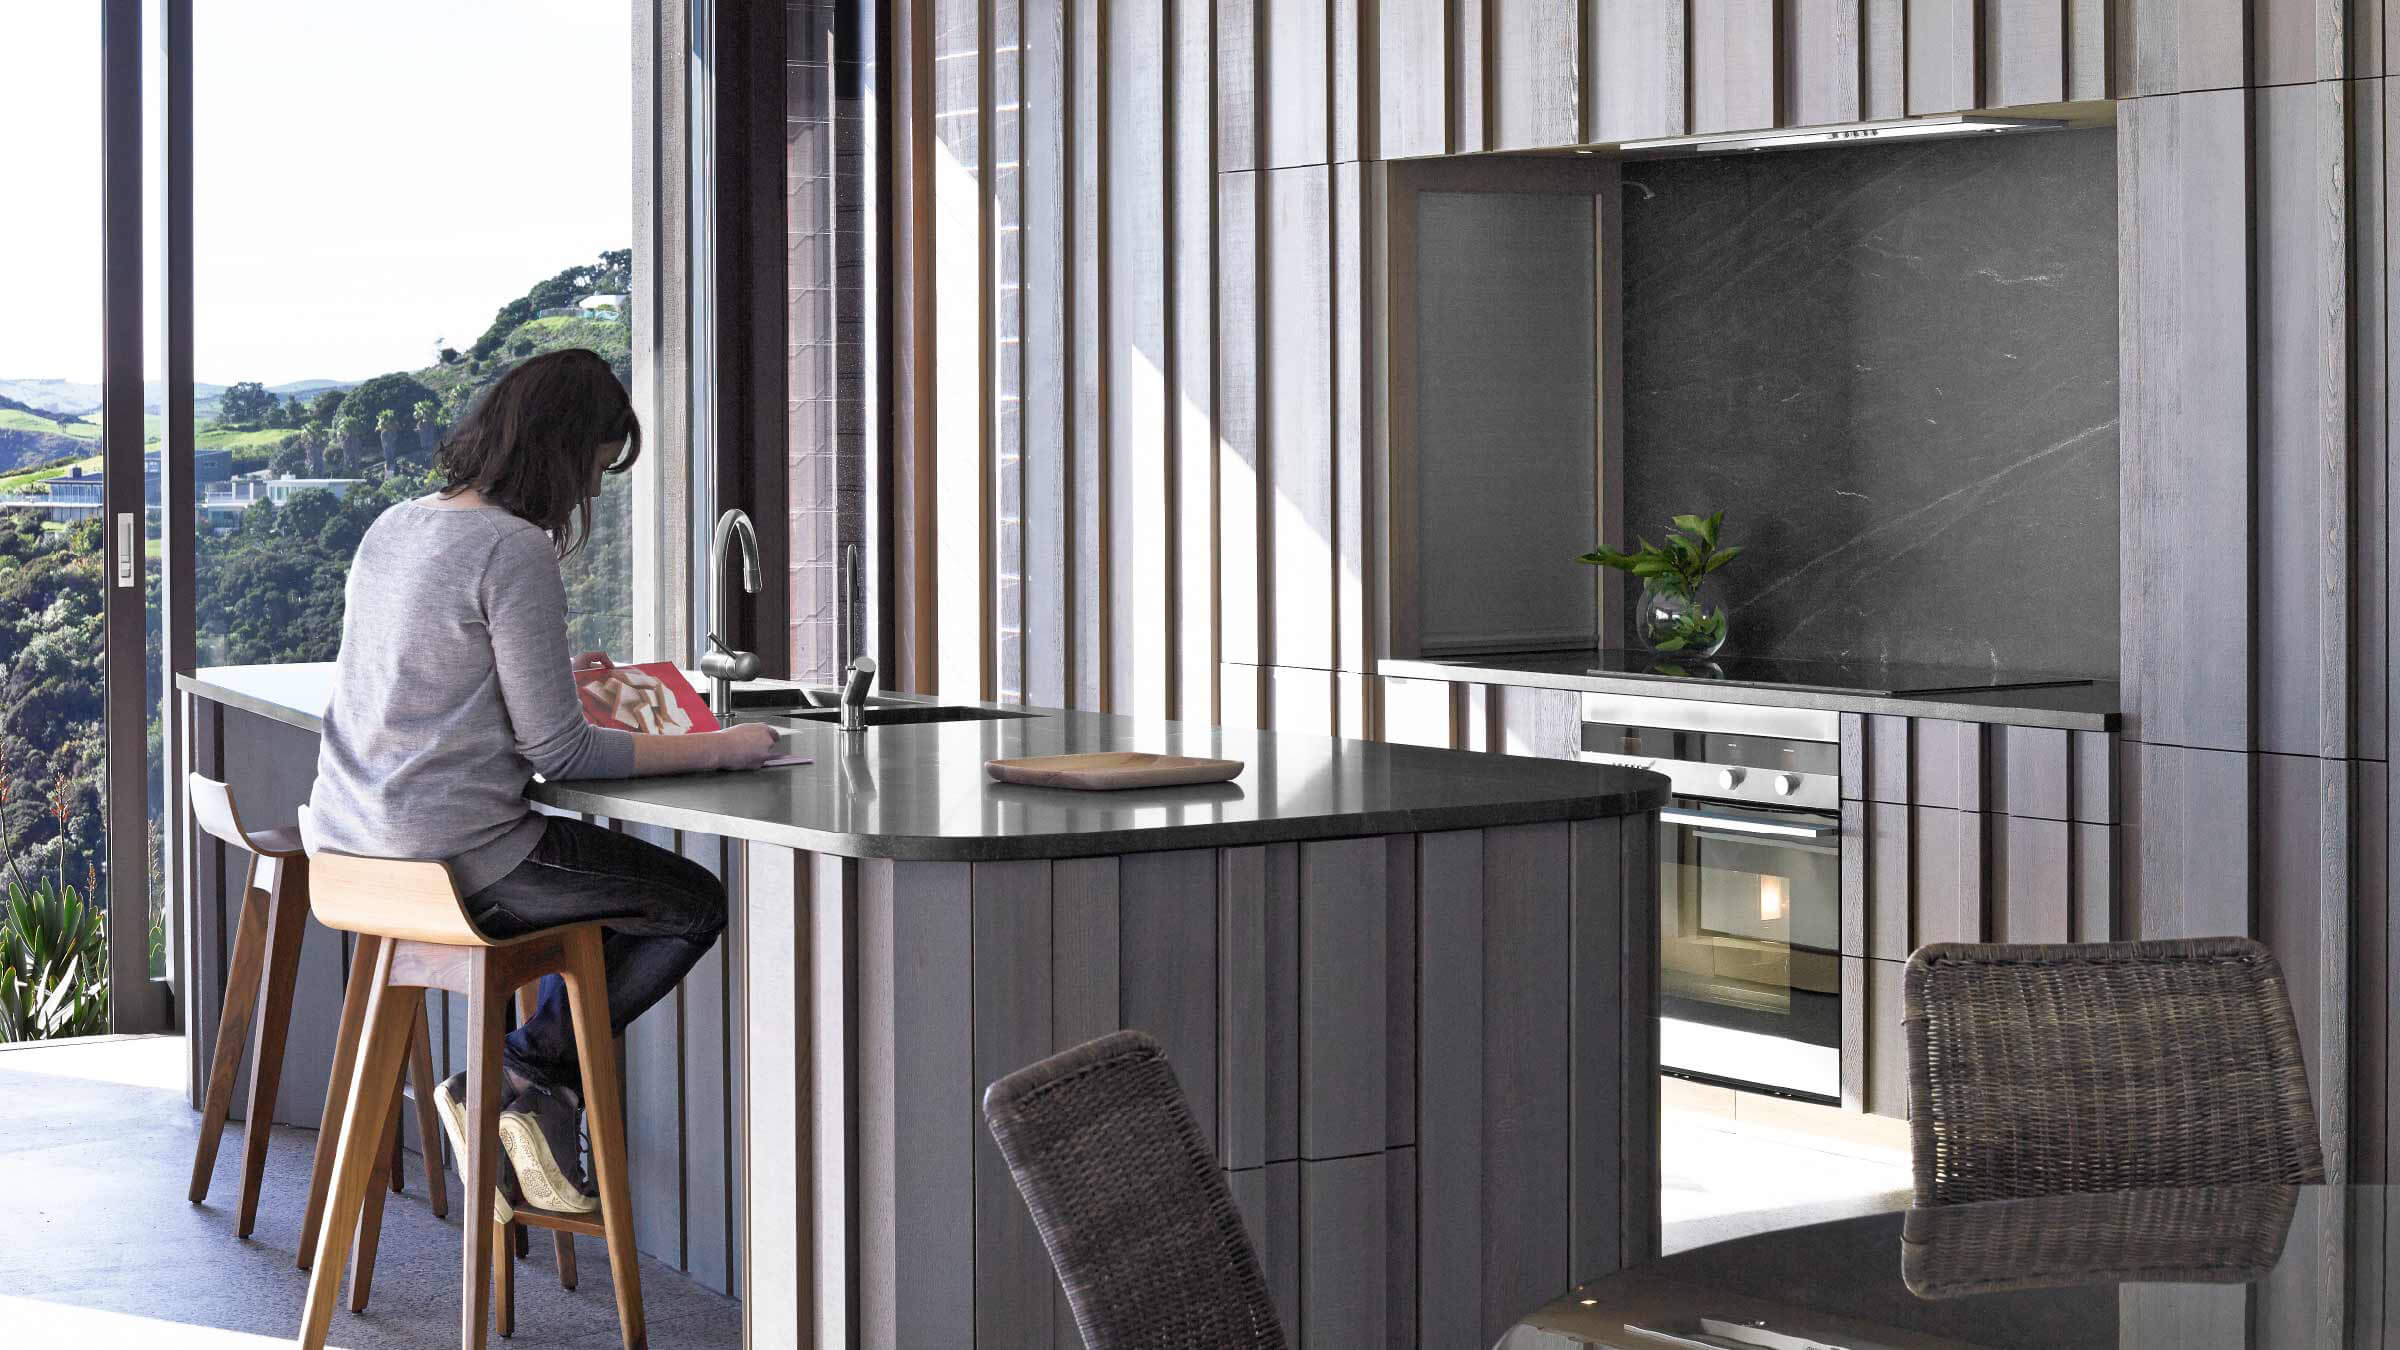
369,178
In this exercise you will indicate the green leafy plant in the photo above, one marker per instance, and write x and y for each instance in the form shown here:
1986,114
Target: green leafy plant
53,964
1674,570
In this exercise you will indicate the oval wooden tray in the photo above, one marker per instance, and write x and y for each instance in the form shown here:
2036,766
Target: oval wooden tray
1111,770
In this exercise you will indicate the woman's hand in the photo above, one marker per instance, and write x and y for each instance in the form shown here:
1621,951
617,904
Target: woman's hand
745,746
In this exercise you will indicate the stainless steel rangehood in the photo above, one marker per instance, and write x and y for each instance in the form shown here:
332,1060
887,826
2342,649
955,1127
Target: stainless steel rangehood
1949,125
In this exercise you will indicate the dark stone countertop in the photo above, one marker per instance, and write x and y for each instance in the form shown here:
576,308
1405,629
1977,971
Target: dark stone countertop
2086,706
919,792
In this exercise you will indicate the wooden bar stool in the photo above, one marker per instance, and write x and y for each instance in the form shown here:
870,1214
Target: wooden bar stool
259,979
423,939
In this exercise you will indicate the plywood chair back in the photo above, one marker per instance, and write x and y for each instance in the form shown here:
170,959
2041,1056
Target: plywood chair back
392,898
214,809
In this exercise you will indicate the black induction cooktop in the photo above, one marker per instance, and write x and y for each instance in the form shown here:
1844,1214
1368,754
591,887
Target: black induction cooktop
1887,679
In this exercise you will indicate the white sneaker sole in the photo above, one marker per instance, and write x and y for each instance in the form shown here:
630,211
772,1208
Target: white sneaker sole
538,1173
454,1124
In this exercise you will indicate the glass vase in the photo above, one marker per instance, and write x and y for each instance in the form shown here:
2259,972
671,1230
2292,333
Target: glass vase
1677,620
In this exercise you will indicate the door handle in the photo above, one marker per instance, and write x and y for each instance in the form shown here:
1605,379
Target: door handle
1782,829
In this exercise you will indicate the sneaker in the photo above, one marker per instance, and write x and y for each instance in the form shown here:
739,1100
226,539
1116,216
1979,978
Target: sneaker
450,1103
539,1131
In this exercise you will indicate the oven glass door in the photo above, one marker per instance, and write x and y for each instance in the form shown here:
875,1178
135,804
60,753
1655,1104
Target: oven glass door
1750,940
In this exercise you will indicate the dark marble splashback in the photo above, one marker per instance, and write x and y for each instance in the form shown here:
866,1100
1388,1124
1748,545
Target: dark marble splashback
1895,370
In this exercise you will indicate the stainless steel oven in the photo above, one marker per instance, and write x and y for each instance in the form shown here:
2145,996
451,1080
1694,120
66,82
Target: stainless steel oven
1750,886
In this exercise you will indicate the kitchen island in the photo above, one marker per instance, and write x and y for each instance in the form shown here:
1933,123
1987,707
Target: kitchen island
1409,993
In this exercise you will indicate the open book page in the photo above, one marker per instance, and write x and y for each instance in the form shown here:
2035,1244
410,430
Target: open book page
652,697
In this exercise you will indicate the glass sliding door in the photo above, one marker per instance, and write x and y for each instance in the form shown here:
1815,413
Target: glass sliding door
55,934
456,198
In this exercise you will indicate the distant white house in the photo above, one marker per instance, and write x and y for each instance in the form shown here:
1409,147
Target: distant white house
230,499
603,306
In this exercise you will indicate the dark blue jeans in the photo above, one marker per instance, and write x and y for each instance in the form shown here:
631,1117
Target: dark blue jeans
662,910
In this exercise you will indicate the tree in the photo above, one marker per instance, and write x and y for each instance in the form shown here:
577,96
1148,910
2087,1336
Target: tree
397,393
247,404
450,356
611,273
347,432
387,430
521,348
428,418
291,456
327,404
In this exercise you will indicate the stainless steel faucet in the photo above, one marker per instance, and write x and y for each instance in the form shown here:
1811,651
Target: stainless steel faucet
859,674
723,665
854,693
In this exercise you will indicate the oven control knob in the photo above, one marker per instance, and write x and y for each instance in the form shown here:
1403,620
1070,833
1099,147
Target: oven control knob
1730,779
1786,784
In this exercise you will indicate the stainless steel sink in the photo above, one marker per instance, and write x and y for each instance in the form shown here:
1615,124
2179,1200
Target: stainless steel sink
910,714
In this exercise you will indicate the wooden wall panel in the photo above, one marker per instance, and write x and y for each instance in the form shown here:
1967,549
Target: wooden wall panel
959,521
2370,183
1091,596
1822,66
1139,467
1733,64
1638,70
2301,373
1192,196
1241,465
1297,398
1048,414
2187,867
2304,832
1536,74
1944,55
1412,54
1294,88
2184,455
1352,445
2025,45
1883,64
2175,48
1013,1018
1235,100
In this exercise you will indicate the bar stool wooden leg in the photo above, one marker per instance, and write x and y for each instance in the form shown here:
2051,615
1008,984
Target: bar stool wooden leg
287,922
429,1130
233,1028
480,1172
563,1244
370,1215
364,950
504,1283
595,1049
383,1049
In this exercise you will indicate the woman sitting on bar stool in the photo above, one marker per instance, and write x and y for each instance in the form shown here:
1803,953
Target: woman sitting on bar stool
455,688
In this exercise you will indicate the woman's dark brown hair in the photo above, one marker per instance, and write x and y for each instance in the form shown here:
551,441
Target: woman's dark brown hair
529,441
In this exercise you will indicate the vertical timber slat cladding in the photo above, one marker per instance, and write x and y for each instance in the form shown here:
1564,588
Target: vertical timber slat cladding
1140,459
1735,53
2185,468
1638,68
1536,77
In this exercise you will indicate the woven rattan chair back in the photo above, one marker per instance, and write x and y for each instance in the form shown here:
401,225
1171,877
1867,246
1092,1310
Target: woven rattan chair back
1129,1202
2055,1070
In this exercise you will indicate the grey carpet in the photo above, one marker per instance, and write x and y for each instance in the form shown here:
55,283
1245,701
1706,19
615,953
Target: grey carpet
98,1246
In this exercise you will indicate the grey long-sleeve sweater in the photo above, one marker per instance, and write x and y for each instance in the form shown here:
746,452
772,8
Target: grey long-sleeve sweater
452,691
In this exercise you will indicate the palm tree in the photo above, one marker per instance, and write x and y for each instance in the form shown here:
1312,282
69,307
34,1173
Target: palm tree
387,430
345,435
429,425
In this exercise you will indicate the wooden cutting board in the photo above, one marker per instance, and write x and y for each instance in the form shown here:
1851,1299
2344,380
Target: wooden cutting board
1111,770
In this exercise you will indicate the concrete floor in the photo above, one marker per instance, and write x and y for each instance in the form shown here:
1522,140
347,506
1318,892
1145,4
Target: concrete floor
99,1248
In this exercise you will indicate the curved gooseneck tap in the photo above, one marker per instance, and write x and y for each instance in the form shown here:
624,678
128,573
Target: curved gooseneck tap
727,664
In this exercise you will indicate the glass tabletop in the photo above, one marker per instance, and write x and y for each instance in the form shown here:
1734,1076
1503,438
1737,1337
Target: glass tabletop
2208,1267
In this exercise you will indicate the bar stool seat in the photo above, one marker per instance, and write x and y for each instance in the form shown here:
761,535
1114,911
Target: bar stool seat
412,933
259,980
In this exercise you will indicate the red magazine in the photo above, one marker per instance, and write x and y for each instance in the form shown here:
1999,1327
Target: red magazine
652,697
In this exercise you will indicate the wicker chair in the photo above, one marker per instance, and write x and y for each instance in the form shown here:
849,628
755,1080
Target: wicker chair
2053,1070
1129,1202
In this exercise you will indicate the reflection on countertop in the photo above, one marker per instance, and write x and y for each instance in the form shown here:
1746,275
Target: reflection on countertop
919,791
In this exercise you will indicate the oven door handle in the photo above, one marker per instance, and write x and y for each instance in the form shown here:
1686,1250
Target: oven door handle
1782,829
